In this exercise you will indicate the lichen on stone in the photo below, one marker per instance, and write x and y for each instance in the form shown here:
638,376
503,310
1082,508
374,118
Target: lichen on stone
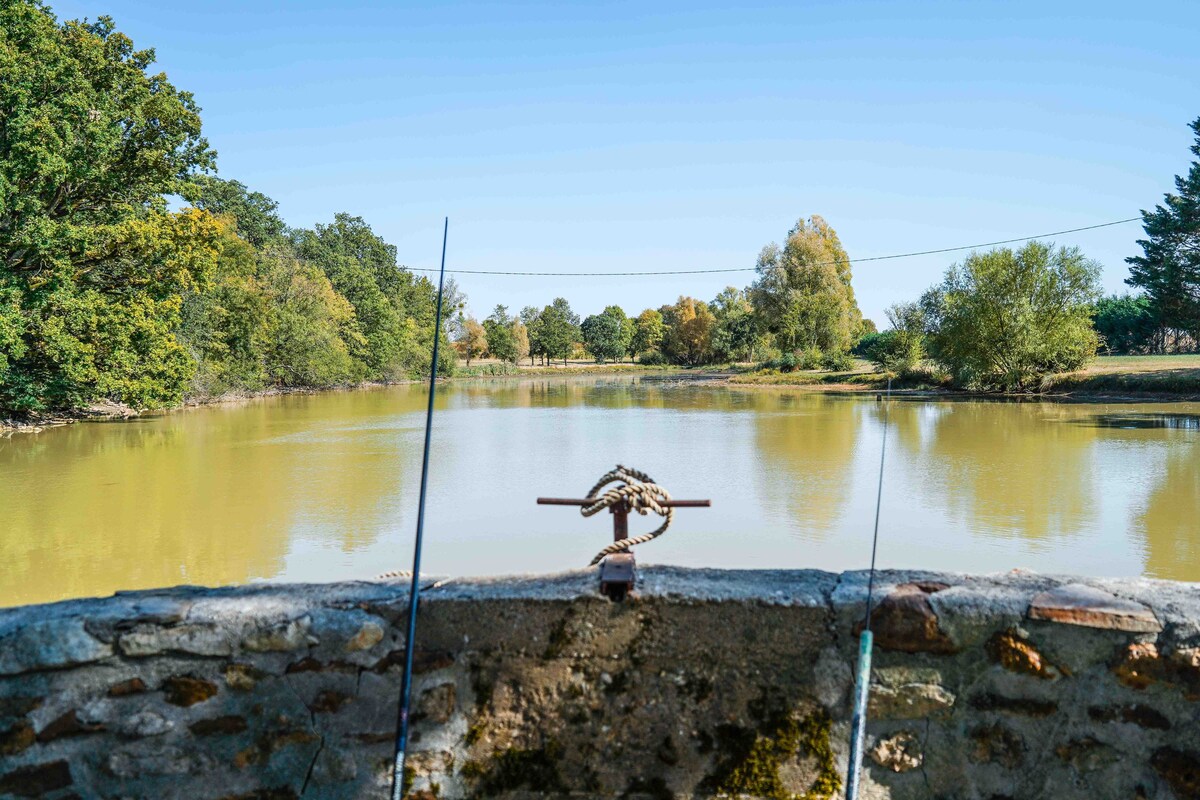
757,773
1015,654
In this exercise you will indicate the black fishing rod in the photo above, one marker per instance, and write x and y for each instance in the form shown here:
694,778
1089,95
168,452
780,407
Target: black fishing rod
862,682
414,592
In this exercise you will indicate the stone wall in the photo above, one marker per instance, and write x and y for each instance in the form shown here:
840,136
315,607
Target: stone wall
707,683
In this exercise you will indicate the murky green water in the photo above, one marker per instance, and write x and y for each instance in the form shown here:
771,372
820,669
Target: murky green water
323,487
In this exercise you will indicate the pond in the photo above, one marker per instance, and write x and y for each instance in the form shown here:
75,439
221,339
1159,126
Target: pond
323,487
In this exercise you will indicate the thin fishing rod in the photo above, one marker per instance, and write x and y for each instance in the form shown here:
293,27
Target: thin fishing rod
862,682
414,591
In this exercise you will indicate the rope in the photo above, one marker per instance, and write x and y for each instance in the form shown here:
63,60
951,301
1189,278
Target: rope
641,493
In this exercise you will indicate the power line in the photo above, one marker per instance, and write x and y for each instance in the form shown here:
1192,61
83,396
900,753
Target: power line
751,269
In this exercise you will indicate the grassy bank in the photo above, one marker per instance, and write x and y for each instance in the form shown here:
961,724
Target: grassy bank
1125,375
1174,376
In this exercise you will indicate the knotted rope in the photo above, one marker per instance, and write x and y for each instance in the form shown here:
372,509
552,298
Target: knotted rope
641,493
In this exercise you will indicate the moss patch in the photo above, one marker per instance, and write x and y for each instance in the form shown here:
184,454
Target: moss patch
515,769
752,766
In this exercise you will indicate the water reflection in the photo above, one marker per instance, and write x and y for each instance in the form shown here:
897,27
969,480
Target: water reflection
1007,469
323,487
1135,421
1170,519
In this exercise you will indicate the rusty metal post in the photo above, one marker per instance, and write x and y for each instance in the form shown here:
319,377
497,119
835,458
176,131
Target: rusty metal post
618,570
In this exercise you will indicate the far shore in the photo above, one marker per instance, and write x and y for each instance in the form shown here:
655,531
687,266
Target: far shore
1149,379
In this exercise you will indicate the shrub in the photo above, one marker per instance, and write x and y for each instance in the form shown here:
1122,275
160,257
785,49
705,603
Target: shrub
653,358
811,358
838,362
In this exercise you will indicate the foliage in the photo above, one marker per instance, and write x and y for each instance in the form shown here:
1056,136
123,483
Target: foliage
89,139
1126,324
555,331
312,330
473,343
653,358
606,335
520,336
803,291
501,342
837,361
91,266
688,331
1169,268
647,331
1004,319
253,212
362,268
736,336
901,349
867,344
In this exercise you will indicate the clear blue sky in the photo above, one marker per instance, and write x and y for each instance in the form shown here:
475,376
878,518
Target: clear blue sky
627,136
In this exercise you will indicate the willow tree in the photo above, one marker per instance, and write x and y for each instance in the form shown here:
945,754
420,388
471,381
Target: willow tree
803,293
1004,319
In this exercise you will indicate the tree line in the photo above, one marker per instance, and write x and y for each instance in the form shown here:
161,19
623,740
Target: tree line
130,272
802,301
108,294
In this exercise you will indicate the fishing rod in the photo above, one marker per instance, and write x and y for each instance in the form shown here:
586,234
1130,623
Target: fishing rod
414,591
862,681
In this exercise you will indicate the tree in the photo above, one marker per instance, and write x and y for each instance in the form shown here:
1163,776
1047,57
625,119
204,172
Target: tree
393,308
603,337
520,336
1004,319
558,329
500,340
253,212
735,336
626,333
902,348
90,262
1169,267
531,318
647,331
473,343
1126,324
803,290
689,327
312,330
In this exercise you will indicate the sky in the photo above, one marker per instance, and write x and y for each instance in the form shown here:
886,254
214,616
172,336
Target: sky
626,136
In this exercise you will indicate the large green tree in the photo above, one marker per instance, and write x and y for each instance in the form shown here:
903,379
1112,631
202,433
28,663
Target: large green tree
1004,319
736,336
1169,267
501,339
647,332
603,336
393,309
91,266
557,329
1127,324
803,292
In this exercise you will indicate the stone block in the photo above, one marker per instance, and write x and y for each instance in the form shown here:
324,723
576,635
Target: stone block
1080,604
50,644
